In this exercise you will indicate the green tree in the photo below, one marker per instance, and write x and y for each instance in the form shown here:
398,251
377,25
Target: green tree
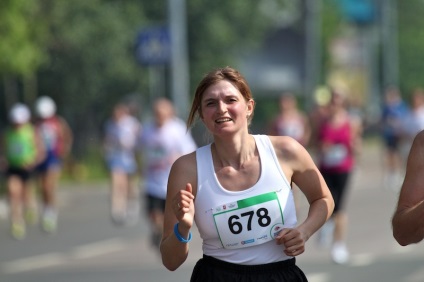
92,65
411,43
221,31
23,37
92,49
85,57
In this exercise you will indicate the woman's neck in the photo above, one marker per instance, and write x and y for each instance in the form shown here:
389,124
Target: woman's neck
234,153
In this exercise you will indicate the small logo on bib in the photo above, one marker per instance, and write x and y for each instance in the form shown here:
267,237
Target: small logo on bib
250,241
276,229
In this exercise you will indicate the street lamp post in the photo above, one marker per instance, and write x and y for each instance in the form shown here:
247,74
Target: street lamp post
313,48
179,56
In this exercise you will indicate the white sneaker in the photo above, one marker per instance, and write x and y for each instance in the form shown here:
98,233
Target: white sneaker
49,220
339,253
18,229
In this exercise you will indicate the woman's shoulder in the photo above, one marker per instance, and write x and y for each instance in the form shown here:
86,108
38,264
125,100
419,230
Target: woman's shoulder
185,163
184,170
282,141
285,145
291,154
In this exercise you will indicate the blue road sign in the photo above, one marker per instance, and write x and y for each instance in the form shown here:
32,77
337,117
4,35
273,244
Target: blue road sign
153,46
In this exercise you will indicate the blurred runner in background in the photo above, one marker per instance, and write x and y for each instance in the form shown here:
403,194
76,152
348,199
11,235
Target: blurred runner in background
23,150
291,121
120,141
163,140
57,137
413,122
339,137
394,112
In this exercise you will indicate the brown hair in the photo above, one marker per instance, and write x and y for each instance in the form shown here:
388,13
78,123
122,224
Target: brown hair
213,77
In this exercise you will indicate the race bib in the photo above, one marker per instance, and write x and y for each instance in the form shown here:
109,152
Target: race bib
248,222
335,155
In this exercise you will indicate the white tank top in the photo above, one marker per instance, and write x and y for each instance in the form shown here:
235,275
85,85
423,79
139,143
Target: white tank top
239,227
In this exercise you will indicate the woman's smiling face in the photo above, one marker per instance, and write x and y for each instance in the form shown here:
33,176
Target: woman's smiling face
224,109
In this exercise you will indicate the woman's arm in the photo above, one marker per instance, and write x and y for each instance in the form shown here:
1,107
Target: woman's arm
67,136
179,209
407,221
40,150
299,167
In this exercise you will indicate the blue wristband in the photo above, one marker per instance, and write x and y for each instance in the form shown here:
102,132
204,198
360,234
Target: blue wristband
178,235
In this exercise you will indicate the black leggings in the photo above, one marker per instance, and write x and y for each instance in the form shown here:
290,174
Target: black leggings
337,183
209,269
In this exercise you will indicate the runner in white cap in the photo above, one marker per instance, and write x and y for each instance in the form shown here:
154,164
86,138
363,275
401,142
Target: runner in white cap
22,150
57,137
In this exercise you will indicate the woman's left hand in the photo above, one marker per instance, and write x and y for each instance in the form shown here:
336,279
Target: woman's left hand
293,241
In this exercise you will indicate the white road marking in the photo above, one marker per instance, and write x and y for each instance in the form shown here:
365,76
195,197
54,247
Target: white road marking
33,263
318,277
54,259
98,248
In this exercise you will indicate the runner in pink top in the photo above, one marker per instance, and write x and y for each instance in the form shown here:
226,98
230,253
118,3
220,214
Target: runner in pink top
338,139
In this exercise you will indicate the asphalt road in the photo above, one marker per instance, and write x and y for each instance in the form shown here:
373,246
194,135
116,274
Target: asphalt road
87,247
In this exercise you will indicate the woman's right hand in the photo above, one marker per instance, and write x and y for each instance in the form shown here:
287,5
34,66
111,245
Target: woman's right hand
184,206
